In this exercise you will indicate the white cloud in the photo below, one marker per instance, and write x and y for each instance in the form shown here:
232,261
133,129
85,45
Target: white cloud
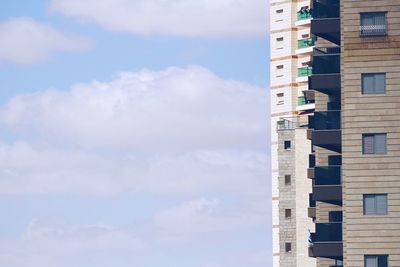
193,18
27,41
185,228
171,132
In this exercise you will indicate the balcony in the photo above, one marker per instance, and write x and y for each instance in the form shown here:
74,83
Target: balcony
303,74
304,14
326,70
304,43
327,185
326,131
327,241
326,22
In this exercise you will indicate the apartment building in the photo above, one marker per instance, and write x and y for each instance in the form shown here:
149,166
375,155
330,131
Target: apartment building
291,103
355,132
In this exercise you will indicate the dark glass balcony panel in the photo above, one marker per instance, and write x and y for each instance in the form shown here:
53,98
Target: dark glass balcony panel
328,232
326,60
326,120
335,160
329,139
328,175
326,250
311,202
323,9
311,160
326,83
334,105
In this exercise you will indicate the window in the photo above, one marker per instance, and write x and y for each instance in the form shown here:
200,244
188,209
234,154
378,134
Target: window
373,83
373,24
374,143
279,67
288,145
279,39
280,99
375,204
288,179
279,11
376,260
288,247
335,216
304,36
288,213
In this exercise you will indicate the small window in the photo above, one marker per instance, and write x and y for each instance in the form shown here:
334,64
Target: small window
373,24
288,179
376,260
288,213
279,67
279,11
280,99
288,247
373,83
304,36
335,216
374,143
288,145
375,204
279,39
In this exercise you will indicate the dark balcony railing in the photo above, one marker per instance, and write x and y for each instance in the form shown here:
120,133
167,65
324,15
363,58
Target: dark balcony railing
325,120
311,202
327,232
327,175
323,9
326,60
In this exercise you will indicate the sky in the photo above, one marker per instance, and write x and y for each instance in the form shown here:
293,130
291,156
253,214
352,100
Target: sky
134,133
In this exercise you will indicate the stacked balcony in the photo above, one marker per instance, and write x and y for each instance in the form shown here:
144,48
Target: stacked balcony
327,184
326,20
327,241
326,130
325,76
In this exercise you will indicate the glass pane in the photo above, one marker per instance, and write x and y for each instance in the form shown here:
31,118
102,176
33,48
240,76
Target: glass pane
382,261
381,204
371,261
367,19
369,204
380,144
368,84
380,83
368,144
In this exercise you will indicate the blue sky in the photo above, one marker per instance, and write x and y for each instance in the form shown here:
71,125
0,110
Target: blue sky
134,133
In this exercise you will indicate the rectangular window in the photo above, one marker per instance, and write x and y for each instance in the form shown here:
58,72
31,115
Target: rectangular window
279,11
288,213
279,67
288,179
279,39
376,260
374,143
375,204
288,145
373,24
373,83
280,100
288,247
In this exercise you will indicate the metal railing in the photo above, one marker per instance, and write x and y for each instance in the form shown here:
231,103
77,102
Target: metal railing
304,14
304,72
303,43
373,30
